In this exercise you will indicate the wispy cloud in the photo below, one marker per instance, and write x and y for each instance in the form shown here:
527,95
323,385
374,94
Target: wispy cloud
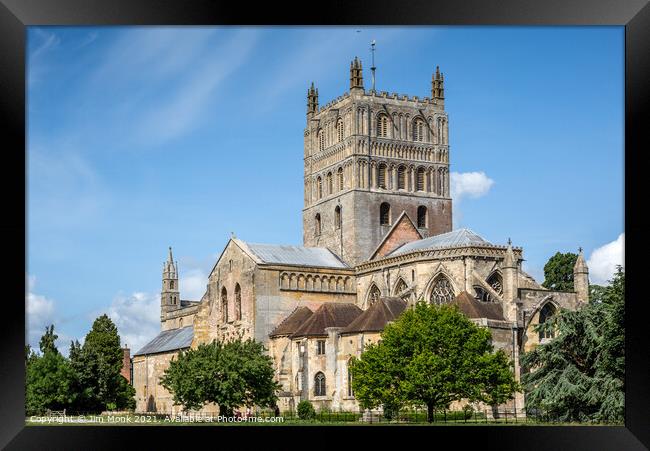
137,317
603,260
470,185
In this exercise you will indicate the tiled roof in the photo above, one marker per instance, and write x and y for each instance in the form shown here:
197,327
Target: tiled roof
375,317
292,322
459,237
330,314
295,255
169,340
473,308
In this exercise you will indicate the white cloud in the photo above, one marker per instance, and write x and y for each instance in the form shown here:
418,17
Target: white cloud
137,318
40,312
603,260
469,184
192,284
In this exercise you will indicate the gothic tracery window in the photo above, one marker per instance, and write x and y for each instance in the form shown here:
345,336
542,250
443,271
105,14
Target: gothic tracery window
373,295
544,315
319,384
442,292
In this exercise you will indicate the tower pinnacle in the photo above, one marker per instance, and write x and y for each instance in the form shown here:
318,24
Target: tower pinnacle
356,74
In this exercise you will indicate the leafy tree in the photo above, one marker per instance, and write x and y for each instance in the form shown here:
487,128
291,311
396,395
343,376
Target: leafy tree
306,410
229,374
48,377
432,355
580,375
558,271
97,366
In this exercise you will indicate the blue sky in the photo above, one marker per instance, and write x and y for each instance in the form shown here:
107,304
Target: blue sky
144,137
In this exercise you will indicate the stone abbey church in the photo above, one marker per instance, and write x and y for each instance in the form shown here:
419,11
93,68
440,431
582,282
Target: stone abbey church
377,237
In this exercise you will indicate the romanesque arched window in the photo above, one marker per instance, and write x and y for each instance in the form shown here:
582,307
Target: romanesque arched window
224,305
319,187
544,315
382,126
339,179
317,228
237,302
337,217
374,294
339,129
321,140
401,177
418,130
442,291
420,181
384,213
330,188
171,284
381,176
422,217
319,384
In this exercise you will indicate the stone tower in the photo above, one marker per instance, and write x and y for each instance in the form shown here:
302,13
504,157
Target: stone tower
581,278
169,296
368,157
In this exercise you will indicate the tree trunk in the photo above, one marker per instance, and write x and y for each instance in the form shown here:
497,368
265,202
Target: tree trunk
430,412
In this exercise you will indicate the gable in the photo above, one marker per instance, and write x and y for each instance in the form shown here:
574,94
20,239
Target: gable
403,231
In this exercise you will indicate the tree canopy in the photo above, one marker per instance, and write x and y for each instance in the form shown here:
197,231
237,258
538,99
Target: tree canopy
558,271
580,375
432,355
231,374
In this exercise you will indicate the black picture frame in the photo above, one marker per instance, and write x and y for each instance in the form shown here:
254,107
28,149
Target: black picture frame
16,15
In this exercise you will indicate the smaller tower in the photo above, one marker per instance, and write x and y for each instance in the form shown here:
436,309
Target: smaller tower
581,278
356,75
169,296
509,271
438,86
312,101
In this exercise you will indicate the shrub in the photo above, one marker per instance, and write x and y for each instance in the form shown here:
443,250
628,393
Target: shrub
306,410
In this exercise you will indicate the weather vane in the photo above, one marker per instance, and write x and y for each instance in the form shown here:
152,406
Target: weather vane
372,49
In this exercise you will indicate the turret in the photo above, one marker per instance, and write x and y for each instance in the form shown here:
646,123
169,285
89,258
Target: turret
509,269
169,296
438,86
312,101
356,75
581,278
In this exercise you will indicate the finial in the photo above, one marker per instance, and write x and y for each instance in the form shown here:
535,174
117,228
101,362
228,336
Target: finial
580,249
171,259
509,242
232,235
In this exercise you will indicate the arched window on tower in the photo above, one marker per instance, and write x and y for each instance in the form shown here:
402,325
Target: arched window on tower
420,177
337,217
317,225
418,130
384,213
319,187
321,140
339,179
382,126
381,175
544,315
339,129
330,188
224,305
442,291
401,177
171,284
237,302
319,384
422,217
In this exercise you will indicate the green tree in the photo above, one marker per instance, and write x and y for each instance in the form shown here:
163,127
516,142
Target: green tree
432,355
306,410
97,366
558,271
232,374
48,378
580,375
